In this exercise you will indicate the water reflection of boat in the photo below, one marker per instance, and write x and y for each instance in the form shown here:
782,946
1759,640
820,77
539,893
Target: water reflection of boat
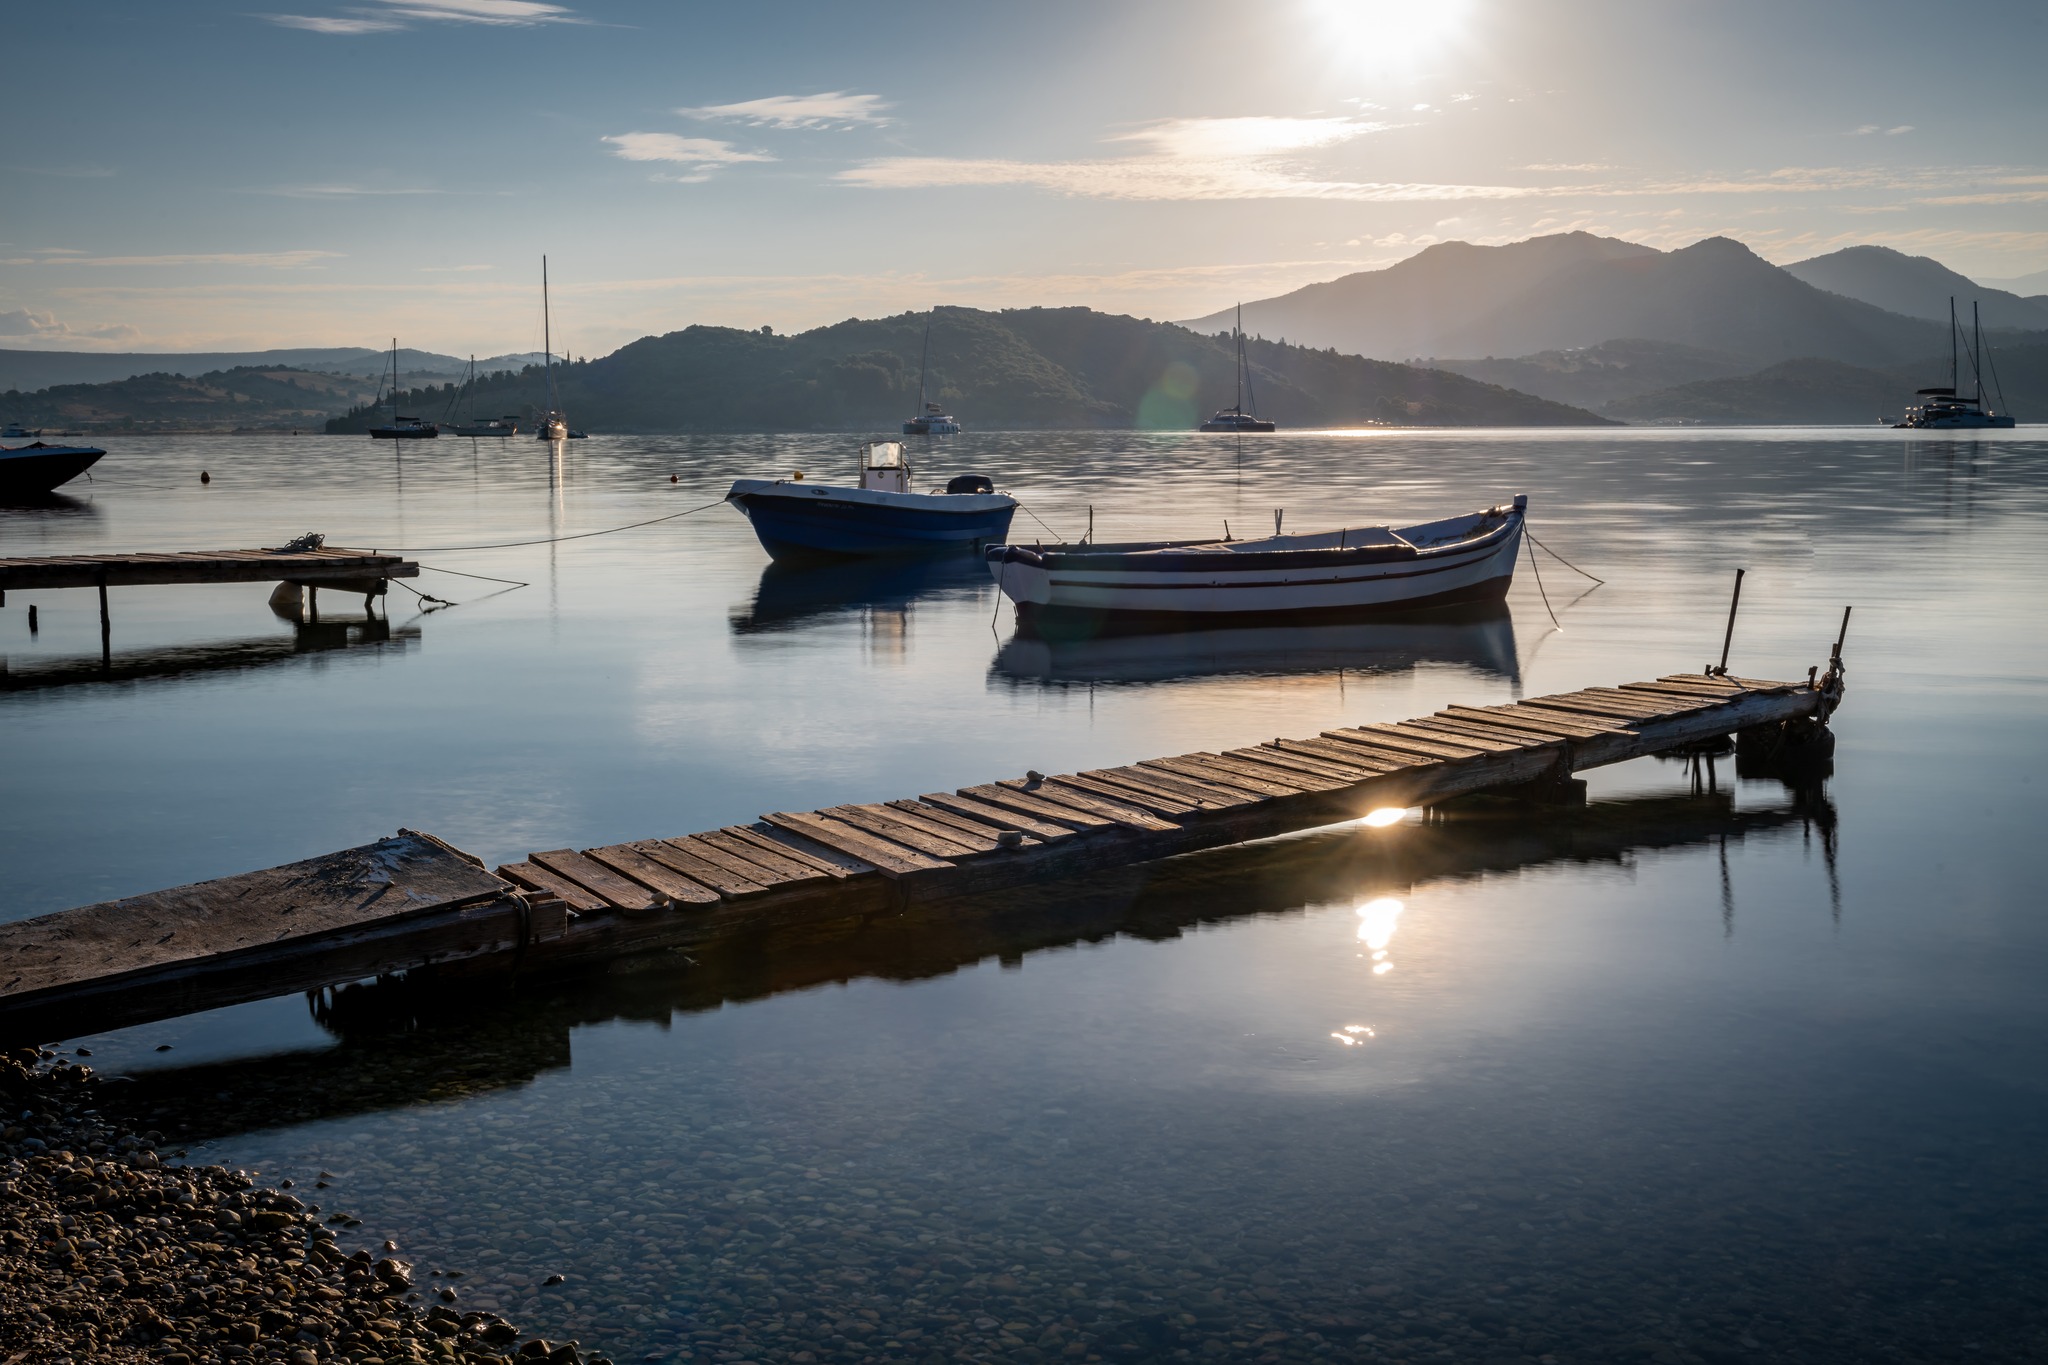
791,594
308,639
1480,637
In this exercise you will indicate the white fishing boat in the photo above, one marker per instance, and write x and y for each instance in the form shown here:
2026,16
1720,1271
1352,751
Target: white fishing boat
1352,572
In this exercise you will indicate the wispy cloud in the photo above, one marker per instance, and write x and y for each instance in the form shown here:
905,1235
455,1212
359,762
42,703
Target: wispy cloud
700,155
827,109
1568,166
274,260
1868,129
1185,158
397,14
19,323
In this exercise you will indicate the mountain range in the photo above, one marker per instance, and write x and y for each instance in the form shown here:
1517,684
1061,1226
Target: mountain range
1022,368
1574,290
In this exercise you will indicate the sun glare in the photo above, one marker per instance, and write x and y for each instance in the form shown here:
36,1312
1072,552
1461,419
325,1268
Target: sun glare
1381,37
1384,816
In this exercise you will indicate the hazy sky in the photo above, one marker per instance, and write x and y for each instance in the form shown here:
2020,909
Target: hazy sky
332,172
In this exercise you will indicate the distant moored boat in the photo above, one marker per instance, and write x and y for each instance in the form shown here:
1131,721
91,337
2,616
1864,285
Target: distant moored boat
26,471
1944,409
1235,418
402,428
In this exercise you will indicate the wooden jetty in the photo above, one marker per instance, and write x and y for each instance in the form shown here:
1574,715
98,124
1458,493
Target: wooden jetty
359,571
411,900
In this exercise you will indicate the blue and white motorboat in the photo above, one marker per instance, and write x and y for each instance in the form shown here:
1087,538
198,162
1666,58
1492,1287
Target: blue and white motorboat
882,516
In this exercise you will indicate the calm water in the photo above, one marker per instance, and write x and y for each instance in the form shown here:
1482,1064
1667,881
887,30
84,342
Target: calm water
1713,1070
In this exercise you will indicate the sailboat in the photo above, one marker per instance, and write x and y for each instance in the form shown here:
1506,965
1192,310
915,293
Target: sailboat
1235,418
469,426
931,419
402,428
553,425
1946,410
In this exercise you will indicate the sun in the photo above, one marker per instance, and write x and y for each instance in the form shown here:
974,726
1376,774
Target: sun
1387,37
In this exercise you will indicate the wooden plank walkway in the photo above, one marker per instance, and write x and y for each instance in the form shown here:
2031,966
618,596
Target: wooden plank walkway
319,922
323,566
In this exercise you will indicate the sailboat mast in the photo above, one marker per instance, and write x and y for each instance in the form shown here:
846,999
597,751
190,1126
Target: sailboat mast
923,356
394,380
1977,350
1951,343
547,344
1239,329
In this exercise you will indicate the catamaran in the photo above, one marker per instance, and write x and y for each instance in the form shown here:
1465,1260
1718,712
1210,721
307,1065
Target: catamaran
1234,417
931,419
1944,409
401,428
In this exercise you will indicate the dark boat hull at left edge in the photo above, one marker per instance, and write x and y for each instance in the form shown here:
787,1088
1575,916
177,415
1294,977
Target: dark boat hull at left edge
26,471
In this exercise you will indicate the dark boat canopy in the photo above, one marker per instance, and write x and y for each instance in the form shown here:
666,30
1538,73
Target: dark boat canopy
1942,393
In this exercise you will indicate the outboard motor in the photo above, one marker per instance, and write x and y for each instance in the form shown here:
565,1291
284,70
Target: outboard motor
970,483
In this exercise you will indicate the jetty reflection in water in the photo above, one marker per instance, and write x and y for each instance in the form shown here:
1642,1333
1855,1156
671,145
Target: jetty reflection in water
1480,637
421,1037
792,595
308,640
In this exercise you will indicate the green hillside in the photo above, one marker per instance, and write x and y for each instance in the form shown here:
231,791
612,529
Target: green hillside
1020,368
222,400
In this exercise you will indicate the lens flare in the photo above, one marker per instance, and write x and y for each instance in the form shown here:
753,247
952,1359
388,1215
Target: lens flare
1384,816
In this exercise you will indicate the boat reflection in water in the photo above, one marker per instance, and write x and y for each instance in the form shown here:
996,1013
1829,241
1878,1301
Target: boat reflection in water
793,595
308,640
1480,637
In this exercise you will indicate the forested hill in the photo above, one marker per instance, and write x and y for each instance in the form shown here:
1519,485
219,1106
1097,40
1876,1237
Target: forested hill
1020,368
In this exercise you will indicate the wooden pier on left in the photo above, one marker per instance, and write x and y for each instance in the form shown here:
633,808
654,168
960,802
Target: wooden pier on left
356,571
412,900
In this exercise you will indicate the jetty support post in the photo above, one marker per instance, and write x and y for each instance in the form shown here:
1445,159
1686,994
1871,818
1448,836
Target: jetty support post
1720,670
106,627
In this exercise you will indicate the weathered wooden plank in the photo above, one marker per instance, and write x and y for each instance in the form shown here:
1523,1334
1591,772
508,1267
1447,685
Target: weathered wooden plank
1202,795
1381,738
978,838
1206,767
407,874
997,816
889,858
1619,706
866,819
754,867
1485,744
673,854
659,878
532,877
1460,727
1537,723
938,815
1122,805
1170,808
843,865
1678,690
1301,778
778,854
621,893
1344,770
1364,752
211,566
1053,812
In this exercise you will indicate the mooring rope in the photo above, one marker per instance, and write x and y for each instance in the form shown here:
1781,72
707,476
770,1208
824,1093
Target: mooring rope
1058,539
1556,556
1539,580
544,540
484,577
